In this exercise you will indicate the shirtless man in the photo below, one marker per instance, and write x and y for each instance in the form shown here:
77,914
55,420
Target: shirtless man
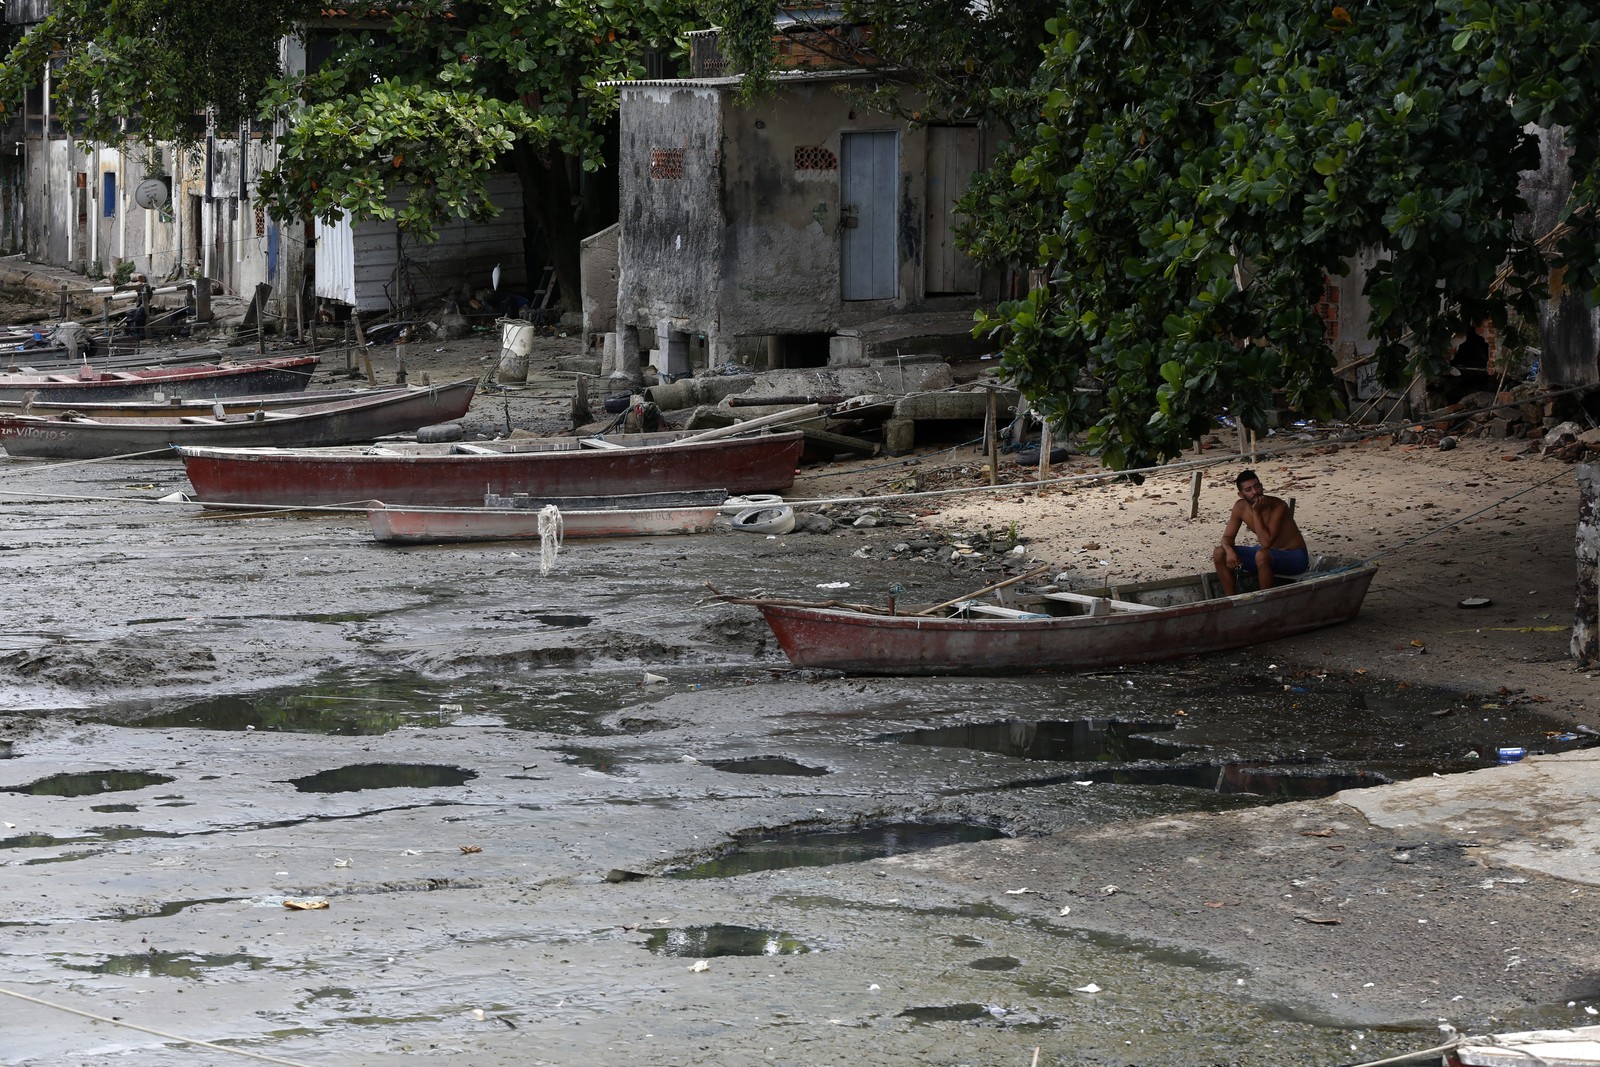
1282,549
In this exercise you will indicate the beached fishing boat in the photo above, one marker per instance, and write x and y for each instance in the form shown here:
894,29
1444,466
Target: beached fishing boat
1063,631
342,419
191,380
165,406
460,474
519,518
1578,1046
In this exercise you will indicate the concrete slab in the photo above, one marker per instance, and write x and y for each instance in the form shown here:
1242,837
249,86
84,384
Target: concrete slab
1537,814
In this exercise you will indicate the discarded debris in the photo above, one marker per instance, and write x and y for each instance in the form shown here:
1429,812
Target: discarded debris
470,849
305,903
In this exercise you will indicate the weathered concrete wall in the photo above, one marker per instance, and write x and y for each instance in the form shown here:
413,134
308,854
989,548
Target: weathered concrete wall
669,247
730,221
1586,620
598,265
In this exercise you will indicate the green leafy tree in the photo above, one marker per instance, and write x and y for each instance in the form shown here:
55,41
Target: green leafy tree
164,63
1194,172
1185,177
429,102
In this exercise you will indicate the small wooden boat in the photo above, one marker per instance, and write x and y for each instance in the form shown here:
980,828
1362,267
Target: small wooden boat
165,406
460,474
1578,1046
518,518
1064,631
198,381
343,419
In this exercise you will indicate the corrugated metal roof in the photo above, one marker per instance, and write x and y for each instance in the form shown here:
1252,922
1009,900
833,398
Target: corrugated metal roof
730,80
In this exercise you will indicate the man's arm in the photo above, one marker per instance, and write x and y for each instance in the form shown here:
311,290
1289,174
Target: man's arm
1231,531
1270,516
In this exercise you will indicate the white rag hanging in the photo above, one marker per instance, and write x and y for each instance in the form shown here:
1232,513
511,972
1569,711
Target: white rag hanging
549,537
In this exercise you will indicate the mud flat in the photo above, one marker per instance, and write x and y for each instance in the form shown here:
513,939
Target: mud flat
499,783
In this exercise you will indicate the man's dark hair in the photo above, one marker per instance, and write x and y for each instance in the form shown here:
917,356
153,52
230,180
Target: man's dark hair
1245,476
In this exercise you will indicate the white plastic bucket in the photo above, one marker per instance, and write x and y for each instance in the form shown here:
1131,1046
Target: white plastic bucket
516,342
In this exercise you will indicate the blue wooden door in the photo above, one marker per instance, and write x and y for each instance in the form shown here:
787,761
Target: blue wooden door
869,177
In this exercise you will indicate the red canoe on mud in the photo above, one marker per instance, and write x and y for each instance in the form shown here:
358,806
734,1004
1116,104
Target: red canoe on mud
193,381
460,475
1134,623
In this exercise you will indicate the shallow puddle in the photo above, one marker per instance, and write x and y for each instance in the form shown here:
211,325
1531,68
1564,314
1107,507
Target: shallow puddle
1290,781
89,783
168,964
1100,740
709,942
767,765
950,1013
823,848
360,776
358,703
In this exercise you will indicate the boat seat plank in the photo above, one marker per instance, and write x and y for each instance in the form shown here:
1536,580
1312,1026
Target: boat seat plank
1094,601
999,612
596,442
199,419
473,450
64,378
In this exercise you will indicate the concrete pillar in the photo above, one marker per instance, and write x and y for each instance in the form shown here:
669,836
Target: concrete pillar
899,436
1586,620
628,355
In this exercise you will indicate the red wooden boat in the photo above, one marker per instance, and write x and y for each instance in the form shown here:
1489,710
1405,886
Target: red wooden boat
191,381
637,515
460,474
340,419
1134,623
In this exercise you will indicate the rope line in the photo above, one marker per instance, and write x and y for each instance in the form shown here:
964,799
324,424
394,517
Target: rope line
150,1030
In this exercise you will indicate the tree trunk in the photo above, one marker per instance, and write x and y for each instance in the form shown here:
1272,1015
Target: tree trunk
552,233
1586,620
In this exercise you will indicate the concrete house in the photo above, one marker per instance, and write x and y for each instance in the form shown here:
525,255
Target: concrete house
800,230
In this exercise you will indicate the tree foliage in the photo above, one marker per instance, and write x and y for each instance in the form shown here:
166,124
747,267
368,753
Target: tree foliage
162,62
1187,176
1194,172
407,118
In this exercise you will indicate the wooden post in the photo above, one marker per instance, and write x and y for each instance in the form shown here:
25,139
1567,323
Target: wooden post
991,438
361,340
261,326
1585,645
1046,443
1194,495
66,302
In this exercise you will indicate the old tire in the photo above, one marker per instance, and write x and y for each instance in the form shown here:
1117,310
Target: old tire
439,432
772,521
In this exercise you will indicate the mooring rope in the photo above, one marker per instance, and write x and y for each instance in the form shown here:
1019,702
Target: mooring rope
150,1030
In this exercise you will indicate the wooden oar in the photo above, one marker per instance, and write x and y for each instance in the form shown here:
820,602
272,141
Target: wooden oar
986,589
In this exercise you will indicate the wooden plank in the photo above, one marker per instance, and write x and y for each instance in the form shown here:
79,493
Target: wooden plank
999,612
598,442
837,442
1092,601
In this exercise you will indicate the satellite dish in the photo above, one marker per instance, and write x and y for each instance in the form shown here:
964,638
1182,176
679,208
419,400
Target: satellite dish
152,192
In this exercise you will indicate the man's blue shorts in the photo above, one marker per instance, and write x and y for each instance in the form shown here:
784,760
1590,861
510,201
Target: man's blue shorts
1284,560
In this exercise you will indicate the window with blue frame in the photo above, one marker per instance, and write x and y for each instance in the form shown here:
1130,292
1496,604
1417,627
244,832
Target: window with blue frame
108,199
